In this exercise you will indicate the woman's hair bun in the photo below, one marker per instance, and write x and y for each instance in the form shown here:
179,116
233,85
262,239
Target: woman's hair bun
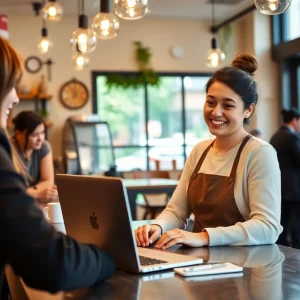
283,111
245,62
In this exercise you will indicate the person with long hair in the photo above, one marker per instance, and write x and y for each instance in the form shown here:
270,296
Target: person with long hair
36,154
231,183
44,258
286,141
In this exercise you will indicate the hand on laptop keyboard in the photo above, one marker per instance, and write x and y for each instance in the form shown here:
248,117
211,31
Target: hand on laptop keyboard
147,234
178,236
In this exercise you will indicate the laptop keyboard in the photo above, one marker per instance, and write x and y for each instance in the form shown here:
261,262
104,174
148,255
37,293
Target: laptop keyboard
146,261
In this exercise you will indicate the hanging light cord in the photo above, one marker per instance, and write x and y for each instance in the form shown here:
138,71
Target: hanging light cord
43,19
213,16
79,7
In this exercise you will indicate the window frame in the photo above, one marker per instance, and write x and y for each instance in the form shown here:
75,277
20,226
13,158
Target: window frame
182,75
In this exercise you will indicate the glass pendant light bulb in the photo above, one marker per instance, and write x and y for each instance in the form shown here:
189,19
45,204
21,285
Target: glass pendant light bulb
80,60
215,56
44,44
52,11
83,39
105,25
131,9
272,7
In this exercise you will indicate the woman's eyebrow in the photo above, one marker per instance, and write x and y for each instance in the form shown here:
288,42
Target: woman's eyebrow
229,99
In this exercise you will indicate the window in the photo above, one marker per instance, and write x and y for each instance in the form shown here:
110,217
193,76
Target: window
151,123
293,21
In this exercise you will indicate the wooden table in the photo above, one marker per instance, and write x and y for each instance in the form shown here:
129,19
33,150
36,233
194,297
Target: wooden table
149,186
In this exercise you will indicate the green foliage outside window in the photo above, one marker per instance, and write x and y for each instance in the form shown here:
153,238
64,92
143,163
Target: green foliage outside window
147,74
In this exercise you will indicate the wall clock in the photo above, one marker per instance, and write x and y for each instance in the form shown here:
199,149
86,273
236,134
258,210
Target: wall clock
73,94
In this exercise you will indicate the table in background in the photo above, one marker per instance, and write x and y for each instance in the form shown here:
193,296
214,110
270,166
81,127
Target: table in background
148,186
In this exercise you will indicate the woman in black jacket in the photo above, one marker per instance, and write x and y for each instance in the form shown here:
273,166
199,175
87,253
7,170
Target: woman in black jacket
44,258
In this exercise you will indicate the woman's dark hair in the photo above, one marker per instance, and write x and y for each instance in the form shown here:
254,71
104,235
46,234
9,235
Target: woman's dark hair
27,121
289,115
239,78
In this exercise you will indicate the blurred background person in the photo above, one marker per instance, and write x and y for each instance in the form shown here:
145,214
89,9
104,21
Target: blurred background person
36,154
286,141
255,132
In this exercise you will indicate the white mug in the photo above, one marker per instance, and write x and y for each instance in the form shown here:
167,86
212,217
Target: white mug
53,213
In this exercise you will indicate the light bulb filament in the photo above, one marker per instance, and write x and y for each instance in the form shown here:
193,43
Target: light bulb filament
52,11
214,59
104,25
131,3
80,61
44,45
273,5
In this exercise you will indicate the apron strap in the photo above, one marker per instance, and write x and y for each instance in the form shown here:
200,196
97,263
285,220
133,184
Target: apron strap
199,164
237,158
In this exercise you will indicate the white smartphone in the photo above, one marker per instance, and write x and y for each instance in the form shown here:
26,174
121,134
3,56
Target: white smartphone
207,269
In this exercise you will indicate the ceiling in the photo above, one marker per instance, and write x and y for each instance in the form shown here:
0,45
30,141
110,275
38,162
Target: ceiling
191,9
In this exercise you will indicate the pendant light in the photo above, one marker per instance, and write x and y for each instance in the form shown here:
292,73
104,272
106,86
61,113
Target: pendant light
272,7
52,11
80,60
215,56
105,24
44,43
83,38
131,9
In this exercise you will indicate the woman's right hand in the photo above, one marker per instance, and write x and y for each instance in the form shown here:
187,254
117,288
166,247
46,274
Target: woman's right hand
49,194
147,234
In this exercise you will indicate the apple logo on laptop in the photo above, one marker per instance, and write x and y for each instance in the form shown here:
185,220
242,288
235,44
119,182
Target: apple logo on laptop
93,221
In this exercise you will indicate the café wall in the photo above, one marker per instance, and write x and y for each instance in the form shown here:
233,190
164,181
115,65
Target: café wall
118,54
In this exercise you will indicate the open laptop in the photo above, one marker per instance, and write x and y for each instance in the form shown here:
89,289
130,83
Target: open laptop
96,210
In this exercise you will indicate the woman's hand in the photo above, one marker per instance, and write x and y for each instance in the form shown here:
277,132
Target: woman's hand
51,194
147,234
178,236
48,194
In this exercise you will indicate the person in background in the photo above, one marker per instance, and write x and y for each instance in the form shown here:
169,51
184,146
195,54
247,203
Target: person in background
230,183
36,154
286,141
256,133
44,258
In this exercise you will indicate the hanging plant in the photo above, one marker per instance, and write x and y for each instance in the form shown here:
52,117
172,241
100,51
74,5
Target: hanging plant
225,38
146,76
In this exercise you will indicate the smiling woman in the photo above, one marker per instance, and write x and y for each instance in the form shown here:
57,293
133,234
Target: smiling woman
36,154
230,183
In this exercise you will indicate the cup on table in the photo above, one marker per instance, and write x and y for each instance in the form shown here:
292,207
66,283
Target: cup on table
53,213
54,216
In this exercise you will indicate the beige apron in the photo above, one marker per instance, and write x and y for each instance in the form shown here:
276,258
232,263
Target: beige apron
211,197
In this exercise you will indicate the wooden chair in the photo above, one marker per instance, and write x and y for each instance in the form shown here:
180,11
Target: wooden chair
158,164
153,203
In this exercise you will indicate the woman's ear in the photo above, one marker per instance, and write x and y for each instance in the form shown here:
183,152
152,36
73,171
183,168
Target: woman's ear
249,111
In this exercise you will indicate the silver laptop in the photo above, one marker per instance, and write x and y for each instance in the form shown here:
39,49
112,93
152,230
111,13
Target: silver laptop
96,210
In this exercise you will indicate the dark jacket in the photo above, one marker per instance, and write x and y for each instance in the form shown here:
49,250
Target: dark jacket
43,257
287,145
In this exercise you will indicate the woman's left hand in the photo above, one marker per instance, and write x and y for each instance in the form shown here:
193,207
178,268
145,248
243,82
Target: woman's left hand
178,236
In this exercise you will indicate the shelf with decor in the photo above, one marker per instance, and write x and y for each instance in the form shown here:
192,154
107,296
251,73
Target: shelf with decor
40,104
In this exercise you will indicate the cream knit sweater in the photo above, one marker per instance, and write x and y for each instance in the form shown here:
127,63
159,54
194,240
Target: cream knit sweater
257,192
